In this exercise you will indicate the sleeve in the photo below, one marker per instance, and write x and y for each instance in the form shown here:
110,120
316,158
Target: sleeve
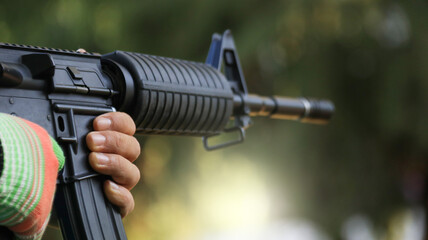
30,163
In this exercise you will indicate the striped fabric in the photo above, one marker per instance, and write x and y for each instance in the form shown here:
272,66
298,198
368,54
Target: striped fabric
1,159
31,159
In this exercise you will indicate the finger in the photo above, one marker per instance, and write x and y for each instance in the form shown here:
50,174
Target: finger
115,121
119,196
114,142
120,169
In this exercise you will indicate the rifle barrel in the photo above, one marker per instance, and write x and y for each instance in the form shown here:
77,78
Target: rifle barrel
300,109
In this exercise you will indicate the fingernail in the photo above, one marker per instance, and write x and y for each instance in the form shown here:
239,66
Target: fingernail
102,159
103,123
98,139
114,186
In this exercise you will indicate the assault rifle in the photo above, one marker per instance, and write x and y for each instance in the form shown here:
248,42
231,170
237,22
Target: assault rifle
63,91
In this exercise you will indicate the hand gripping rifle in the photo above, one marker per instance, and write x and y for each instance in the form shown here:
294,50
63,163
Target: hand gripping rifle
63,91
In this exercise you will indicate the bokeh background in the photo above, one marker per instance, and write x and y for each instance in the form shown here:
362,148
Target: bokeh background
362,177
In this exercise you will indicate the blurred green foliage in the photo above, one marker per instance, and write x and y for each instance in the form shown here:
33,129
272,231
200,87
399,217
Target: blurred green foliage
369,57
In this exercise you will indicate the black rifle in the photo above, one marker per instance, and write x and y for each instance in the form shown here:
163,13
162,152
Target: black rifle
63,91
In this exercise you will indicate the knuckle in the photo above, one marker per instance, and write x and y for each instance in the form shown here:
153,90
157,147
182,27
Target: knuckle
136,149
119,168
114,162
130,204
129,122
123,122
125,198
115,141
136,176
137,179
118,140
122,144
